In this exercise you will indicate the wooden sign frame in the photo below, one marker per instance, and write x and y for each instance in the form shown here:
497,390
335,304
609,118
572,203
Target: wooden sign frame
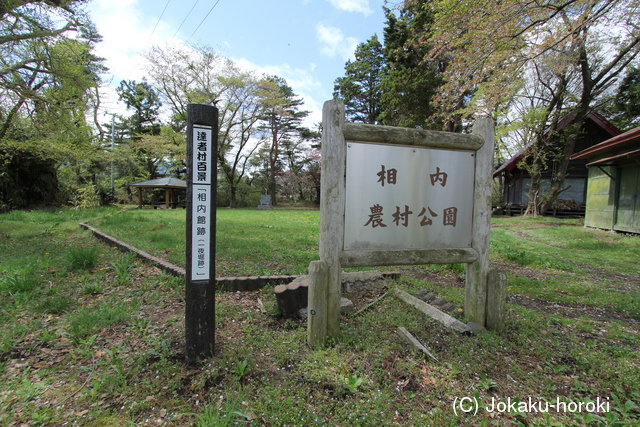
324,275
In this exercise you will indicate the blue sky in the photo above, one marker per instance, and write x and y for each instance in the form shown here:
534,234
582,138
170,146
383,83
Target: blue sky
307,42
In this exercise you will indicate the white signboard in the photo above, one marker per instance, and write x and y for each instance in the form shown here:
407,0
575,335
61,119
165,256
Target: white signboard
201,226
202,161
400,197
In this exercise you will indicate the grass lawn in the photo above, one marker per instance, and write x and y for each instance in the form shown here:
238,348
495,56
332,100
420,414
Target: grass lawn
249,242
90,336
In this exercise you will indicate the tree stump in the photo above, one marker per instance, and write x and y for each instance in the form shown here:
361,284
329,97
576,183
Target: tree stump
291,297
286,300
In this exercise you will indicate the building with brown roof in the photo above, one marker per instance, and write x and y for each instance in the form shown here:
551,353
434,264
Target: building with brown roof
613,168
516,179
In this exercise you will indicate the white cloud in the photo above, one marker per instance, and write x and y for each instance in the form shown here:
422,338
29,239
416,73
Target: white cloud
303,83
127,33
360,6
125,36
335,43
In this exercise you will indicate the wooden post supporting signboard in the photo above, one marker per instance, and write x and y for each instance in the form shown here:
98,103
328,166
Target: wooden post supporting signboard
475,297
496,299
202,145
332,209
317,305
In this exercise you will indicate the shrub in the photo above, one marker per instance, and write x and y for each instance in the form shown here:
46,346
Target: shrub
81,258
23,281
86,197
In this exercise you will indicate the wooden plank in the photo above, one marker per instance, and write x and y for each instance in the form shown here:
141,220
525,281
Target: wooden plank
408,136
475,298
371,304
448,321
407,257
317,304
332,203
496,299
413,341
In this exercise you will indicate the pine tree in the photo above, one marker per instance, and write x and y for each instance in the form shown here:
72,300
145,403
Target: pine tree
360,88
627,100
281,119
410,83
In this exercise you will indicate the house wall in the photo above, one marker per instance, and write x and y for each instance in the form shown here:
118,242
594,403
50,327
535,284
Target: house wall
628,211
517,190
600,210
613,204
516,183
592,134
512,192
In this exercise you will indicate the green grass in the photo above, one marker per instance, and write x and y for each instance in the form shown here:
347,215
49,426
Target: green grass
21,281
55,304
103,345
565,258
82,258
91,319
564,244
249,242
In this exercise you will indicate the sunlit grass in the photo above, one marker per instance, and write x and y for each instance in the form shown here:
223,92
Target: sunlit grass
566,255
248,242
563,244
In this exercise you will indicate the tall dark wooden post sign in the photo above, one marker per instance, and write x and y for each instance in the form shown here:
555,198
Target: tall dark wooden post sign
202,145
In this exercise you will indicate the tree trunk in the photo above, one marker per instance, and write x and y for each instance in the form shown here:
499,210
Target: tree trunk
588,84
557,184
534,187
233,201
274,152
272,189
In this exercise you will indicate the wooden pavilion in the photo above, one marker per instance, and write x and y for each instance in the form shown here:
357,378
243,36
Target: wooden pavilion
169,184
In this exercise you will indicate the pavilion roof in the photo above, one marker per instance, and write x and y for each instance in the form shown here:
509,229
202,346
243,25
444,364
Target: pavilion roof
161,183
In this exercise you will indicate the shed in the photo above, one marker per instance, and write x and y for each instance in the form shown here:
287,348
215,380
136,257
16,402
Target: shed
517,180
169,184
613,181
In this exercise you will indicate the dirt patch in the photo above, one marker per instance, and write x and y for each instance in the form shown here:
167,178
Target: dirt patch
445,277
611,279
616,281
572,310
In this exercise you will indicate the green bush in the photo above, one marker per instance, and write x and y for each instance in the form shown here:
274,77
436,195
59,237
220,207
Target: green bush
86,197
29,176
81,258
23,281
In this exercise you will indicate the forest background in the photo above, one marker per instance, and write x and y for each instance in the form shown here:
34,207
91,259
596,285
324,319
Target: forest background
439,65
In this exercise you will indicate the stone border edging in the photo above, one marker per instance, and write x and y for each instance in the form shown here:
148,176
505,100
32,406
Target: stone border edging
244,283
